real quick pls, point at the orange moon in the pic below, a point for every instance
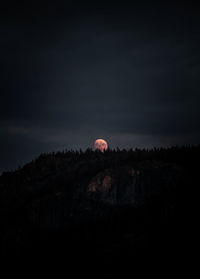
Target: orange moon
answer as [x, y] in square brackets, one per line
[101, 145]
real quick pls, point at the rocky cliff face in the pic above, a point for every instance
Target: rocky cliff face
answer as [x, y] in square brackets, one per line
[121, 186]
[127, 185]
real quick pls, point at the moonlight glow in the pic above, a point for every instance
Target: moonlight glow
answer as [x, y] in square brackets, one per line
[101, 145]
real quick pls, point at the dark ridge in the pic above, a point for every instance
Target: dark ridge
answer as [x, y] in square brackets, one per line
[101, 211]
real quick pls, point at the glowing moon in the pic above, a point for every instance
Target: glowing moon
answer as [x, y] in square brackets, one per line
[101, 145]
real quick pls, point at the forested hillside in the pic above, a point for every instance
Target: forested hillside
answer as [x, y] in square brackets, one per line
[91, 206]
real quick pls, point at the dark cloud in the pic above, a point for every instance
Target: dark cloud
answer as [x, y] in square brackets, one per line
[71, 74]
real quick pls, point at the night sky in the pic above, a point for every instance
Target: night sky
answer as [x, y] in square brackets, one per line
[71, 74]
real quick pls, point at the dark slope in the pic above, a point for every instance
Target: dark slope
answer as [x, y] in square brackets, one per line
[94, 209]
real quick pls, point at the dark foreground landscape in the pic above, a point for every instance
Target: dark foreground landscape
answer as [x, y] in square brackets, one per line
[101, 211]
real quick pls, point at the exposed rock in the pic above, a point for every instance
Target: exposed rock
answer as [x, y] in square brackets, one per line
[127, 185]
[100, 183]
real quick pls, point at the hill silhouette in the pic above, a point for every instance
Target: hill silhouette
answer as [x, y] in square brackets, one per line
[108, 209]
